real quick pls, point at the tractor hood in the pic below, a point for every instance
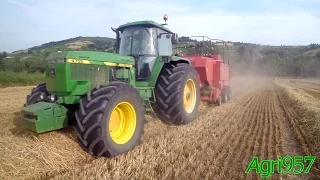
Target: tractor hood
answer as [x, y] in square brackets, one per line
[89, 57]
[72, 74]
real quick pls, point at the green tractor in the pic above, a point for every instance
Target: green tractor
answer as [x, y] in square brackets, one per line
[106, 95]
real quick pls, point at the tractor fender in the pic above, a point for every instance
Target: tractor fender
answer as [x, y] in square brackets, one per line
[159, 65]
[179, 59]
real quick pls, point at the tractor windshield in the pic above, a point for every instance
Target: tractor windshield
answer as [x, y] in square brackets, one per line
[139, 41]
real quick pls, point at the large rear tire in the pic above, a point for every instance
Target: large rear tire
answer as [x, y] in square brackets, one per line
[37, 94]
[177, 94]
[110, 120]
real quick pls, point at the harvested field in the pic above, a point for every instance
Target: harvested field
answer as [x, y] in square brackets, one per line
[266, 118]
[310, 87]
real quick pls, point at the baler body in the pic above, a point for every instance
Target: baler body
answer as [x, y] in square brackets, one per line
[213, 74]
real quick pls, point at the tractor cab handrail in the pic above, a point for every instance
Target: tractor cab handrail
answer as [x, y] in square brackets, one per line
[208, 46]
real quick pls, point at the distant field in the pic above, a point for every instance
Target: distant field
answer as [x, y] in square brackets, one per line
[313, 52]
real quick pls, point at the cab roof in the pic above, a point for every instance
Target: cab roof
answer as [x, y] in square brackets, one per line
[147, 23]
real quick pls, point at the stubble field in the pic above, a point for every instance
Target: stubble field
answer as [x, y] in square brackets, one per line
[266, 118]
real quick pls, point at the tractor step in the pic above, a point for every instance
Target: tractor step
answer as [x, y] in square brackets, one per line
[149, 109]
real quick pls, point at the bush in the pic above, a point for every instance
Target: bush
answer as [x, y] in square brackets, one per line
[10, 78]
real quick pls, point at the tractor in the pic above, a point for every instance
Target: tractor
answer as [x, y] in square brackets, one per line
[105, 96]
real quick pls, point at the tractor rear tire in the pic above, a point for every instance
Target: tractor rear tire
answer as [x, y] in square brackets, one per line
[110, 120]
[37, 94]
[177, 94]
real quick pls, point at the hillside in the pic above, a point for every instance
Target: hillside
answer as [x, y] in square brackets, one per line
[244, 58]
[77, 43]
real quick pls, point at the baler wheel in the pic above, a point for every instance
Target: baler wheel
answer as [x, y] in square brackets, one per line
[37, 94]
[219, 101]
[110, 120]
[177, 94]
[224, 96]
[229, 93]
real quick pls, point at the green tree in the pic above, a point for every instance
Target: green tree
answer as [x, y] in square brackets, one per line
[3, 55]
[244, 54]
[110, 50]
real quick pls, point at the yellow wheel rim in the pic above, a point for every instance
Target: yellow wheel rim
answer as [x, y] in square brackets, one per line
[122, 123]
[189, 96]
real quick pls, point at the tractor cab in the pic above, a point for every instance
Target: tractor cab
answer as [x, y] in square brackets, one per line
[145, 41]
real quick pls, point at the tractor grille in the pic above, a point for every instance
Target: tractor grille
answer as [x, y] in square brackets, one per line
[95, 73]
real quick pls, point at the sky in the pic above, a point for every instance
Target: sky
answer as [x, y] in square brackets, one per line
[28, 23]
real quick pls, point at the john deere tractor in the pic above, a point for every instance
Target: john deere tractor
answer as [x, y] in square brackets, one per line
[106, 95]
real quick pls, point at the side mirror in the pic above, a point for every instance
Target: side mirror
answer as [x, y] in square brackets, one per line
[116, 45]
[174, 38]
[114, 29]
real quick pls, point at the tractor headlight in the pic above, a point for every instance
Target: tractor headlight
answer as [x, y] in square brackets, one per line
[53, 98]
[43, 96]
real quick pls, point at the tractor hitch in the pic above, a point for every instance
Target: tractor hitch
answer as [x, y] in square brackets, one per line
[43, 116]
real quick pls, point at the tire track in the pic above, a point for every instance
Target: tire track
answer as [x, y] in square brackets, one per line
[277, 127]
[228, 118]
[292, 123]
[243, 121]
[241, 141]
[265, 123]
[256, 143]
[218, 126]
[247, 156]
[300, 144]
[272, 142]
[268, 144]
[271, 127]
[263, 147]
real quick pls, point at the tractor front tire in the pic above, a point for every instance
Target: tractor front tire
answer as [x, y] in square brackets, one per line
[37, 94]
[177, 94]
[110, 120]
